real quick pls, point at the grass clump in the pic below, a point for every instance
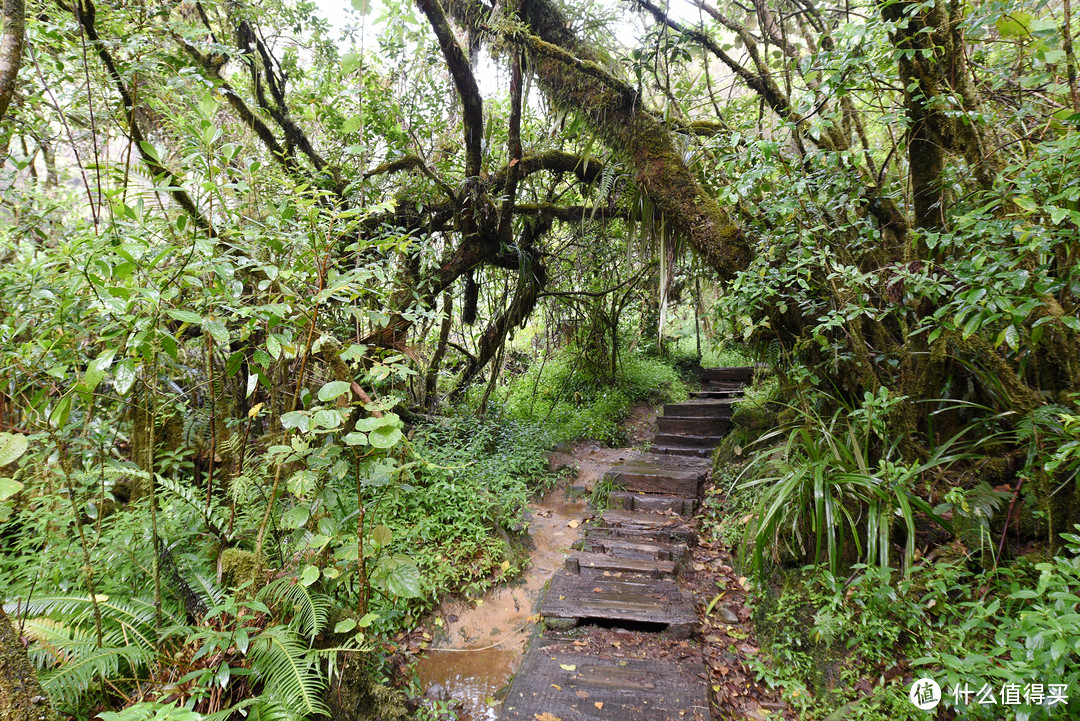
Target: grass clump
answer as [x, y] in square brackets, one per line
[568, 402]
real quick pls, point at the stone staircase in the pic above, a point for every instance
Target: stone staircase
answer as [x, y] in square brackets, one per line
[625, 579]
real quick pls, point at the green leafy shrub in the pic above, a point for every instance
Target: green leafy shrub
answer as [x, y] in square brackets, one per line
[829, 492]
[569, 404]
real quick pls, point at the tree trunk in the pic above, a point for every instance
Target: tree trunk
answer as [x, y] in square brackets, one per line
[21, 696]
[431, 382]
[572, 75]
[11, 48]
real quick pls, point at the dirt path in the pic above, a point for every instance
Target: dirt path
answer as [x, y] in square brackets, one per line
[480, 644]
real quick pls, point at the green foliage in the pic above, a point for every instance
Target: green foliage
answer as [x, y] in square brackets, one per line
[569, 404]
[824, 638]
[839, 482]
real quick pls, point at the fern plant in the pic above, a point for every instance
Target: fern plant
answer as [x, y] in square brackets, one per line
[258, 656]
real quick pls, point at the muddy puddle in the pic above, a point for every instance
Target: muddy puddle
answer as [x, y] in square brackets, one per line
[482, 641]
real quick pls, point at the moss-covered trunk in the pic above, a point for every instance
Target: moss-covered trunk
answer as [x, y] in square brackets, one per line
[572, 75]
[21, 696]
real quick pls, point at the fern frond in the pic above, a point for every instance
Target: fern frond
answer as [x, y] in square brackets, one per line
[68, 683]
[286, 672]
[310, 610]
[124, 622]
[215, 517]
[55, 642]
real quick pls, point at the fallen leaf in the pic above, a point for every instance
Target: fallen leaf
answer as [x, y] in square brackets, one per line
[505, 565]
[567, 666]
[556, 686]
[598, 590]
[599, 704]
[546, 717]
[713, 639]
[617, 644]
[574, 523]
[699, 566]
[724, 670]
[581, 694]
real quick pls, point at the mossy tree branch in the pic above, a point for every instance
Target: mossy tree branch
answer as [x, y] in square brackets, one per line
[85, 14]
[567, 70]
[11, 48]
[457, 62]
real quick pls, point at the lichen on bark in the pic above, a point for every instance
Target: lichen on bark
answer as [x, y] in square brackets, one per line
[21, 695]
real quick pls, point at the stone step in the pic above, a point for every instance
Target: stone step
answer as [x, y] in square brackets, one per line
[720, 408]
[601, 562]
[651, 526]
[742, 374]
[704, 440]
[651, 502]
[695, 426]
[691, 451]
[629, 601]
[558, 680]
[709, 394]
[654, 477]
[682, 464]
[621, 547]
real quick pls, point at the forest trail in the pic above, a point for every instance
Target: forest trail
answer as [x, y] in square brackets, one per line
[617, 617]
[481, 642]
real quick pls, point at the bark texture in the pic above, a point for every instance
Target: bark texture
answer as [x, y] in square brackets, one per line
[573, 76]
[21, 696]
[11, 48]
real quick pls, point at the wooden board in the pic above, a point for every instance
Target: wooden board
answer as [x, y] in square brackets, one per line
[565, 683]
[601, 562]
[630, 600]
[651, 502]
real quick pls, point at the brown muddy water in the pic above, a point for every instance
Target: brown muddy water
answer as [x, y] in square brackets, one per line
[483, 640]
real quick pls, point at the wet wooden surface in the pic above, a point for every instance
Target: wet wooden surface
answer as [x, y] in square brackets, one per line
[562, 681]
[625, 576]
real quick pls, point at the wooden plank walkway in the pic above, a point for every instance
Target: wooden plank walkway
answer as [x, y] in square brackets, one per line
[625, 579]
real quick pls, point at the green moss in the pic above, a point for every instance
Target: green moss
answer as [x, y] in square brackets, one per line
[21, 696]
[359, 697]
[237, 566]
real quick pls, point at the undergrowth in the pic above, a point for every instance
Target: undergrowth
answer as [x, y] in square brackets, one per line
[567, 402]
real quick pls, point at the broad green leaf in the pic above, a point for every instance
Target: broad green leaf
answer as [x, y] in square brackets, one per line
[295, 517]
[8, 488]
[356, 439]
[382, 535]
[217, 329]
[185, 316]
[309, 575]
[328, 418]
[384, 436]
[345, 625]
[12, 446]
[352, 124]
[362, 6]
[404, 580]
[1014, 25]
[124, 376]
[368, 619]
[296, 419]
[302, 482]
[58, 417]
[333, 389]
